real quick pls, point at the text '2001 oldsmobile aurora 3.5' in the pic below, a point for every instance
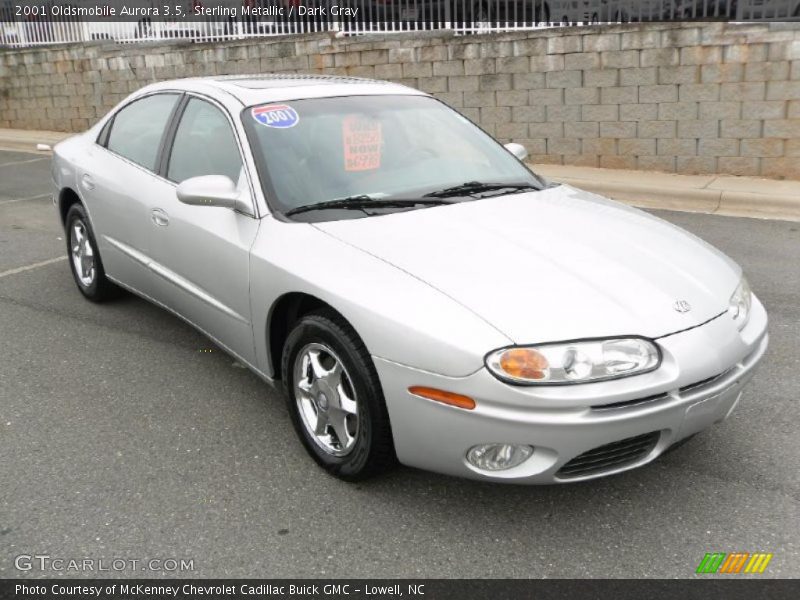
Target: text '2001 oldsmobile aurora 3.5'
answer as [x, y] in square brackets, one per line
[416, 290]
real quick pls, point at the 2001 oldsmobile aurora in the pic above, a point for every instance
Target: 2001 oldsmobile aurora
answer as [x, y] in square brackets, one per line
[418, 292]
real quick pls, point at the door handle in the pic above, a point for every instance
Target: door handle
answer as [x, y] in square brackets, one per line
[159, 217]
[87, 182]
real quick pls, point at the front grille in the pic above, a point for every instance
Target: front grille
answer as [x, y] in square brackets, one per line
[649, 399]
[610, 456]
[704, 382]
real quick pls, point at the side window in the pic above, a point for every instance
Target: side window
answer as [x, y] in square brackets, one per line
[204, 145]
[137, 129]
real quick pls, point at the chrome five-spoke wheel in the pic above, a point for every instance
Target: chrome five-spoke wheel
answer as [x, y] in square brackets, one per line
[82, 253]
[84, 258]
[334, 397]
[326, 399]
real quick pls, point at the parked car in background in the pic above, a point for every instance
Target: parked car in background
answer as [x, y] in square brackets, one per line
[111, 28]
[182, 21]
[576, 11]
[767, 9]
[34, 22]
[623, 11]
[460, 13]
[9, 29]
[700, 10]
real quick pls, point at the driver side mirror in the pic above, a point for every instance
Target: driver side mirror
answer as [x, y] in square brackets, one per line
[517, 150]
[209, 190]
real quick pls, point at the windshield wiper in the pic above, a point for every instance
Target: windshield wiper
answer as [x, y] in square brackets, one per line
[476, 187]
[363, 201]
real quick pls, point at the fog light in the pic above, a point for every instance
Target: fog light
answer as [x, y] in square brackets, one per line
[498, 457]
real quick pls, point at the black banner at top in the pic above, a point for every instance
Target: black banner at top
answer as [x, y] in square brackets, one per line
[508, 13]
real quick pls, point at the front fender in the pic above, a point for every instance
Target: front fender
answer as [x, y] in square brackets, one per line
[399, 317]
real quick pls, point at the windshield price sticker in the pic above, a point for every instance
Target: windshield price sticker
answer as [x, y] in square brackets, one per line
[277, 116]
[362, 140]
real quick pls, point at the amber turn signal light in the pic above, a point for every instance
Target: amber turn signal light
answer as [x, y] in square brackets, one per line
[443, 397]
[524, 363]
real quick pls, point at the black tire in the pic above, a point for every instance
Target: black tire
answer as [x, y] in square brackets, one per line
[373, 450]
[101, 288]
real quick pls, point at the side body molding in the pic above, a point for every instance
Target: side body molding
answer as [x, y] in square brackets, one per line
[175, 279]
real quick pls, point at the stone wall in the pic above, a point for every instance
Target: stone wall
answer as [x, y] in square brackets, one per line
[691, 98]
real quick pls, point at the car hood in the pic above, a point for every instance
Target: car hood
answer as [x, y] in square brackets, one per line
[558, 264]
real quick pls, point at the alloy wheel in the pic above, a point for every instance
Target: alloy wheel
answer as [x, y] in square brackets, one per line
[82, 253]
[326, 399]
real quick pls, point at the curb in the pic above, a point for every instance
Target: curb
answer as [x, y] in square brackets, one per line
[26, 141]
[709, 194]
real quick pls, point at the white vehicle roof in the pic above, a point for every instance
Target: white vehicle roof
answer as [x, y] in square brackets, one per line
[258, 89]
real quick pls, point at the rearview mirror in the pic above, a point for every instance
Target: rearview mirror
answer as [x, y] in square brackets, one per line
[517, 150]
[209, 190]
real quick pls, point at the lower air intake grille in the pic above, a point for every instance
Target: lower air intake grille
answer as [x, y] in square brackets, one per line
[610, 456]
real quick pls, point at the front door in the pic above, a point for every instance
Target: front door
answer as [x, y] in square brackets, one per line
[201, 254]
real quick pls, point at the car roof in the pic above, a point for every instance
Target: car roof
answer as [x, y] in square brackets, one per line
[257, 89]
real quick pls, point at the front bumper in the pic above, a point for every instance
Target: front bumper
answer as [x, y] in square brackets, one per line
[698, 384]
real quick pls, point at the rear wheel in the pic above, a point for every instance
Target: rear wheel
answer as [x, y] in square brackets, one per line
[335, 399]
[84, 258]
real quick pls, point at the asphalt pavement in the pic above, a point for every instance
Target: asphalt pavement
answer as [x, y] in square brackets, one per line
[125, 434]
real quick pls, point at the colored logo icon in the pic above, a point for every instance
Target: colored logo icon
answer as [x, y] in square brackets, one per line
[734, 562]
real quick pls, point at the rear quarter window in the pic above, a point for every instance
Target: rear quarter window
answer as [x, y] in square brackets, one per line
[137, 129]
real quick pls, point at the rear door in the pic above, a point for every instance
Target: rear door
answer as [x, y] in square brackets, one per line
[121, 186]
[201, 254]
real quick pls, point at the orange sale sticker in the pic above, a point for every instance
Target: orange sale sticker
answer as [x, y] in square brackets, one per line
[362, 143]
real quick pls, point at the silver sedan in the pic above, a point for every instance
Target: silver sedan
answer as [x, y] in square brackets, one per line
[419, 294]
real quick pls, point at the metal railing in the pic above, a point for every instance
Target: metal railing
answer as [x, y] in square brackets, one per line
[31, 23]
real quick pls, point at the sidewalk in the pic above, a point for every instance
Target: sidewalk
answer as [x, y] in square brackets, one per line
[715, 194]
[18, 140]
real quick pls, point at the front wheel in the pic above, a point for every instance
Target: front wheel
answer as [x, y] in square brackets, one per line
[334, 398]
[84, 258]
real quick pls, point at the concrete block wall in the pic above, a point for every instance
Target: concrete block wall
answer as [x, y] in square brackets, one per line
[688, 98]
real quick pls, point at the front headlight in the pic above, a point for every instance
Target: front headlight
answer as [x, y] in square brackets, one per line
[740, 303]
[574, 362]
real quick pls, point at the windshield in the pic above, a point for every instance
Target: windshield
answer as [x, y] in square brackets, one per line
[378, 148]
